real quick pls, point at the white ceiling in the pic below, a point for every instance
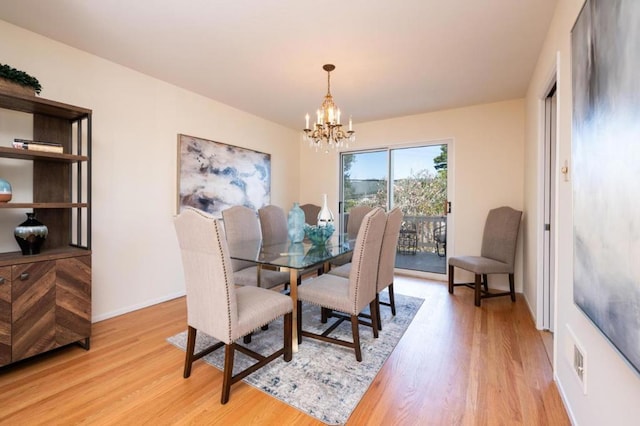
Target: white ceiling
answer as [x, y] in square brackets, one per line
[393, 58]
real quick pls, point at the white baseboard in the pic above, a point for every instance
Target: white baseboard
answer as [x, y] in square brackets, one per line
[565, 400]
[132, 308]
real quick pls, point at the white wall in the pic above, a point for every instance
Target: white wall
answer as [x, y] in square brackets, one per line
[613, 387]
[487, 163]
[136, 120]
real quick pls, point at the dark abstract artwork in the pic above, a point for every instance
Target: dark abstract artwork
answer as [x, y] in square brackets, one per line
[213, 176]
[605, 44]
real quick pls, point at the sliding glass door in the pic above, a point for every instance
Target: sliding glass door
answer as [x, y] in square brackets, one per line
[413, 179]
[364, 181]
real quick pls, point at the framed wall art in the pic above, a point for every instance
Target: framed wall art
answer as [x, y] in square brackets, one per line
[213, 176]
[605, 54]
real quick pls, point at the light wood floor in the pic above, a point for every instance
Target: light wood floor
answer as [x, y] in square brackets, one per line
[456, 364]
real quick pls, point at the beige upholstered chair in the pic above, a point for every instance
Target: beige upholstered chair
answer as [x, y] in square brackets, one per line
[215, 306]
[273, 223]
[497, 256]
[241, 224]
[386, 264]
[350, 295]
[311, 212]
[356, 214]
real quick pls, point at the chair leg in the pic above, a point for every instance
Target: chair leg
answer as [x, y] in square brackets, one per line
[392, 301]
[355, 330]
[288, 338]
[485, 282]
[247, 339]
[375, 322]
[450, 279]
[378, 311]
[477, 287]
[324, 315]
[191, 346]
[229, 350]
[512, 288]
[299, 322]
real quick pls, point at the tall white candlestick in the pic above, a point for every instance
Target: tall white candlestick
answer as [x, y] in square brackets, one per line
[350, 124]
[306, 121]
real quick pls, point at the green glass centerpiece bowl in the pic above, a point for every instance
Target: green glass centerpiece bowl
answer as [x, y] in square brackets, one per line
[318, 235]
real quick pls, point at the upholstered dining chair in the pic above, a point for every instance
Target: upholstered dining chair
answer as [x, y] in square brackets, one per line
[497, 255]
[241, 224]
[311, 212]
[386, 264]
[356, 214]
[351, 295]
[273, 223]
[216, 307]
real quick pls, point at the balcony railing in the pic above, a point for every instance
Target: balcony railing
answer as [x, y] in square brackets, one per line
[424, 227]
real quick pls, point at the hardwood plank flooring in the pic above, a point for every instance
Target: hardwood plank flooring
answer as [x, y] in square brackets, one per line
[455, 365]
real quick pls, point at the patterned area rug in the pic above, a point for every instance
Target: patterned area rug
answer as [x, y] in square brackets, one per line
[322, 380]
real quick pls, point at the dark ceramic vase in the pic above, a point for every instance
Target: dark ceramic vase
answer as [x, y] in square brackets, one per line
[30, 235]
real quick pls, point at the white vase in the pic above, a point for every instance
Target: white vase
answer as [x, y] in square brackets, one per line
[325, 216]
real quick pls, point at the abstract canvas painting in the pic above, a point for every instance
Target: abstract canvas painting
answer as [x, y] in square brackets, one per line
[605, 43]
[213, 176]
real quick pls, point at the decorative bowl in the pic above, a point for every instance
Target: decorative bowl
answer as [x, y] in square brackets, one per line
[5, 191]
[318, 235]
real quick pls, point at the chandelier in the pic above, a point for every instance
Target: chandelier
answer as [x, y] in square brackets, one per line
[327, 131]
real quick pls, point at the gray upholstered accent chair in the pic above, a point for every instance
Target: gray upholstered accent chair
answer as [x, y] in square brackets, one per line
[273, 223]
[241, 224]
[311, 212]
[349, 295]
[216, 307]
[386, 264]
[497, 256]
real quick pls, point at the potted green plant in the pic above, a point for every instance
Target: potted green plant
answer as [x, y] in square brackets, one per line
[18, 81]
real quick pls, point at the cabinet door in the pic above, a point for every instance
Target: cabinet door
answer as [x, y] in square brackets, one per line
[33, 309]
[73, 299]
[5, 315]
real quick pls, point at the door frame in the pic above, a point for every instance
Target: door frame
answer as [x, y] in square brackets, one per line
[542, 317]
[548, 218]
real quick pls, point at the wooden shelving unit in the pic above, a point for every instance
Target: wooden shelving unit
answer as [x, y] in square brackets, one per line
[45, 299]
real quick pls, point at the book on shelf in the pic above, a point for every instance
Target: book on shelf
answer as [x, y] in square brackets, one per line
[38, 146]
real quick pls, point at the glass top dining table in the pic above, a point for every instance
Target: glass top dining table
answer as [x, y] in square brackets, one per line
[294, 257]
[290, 255]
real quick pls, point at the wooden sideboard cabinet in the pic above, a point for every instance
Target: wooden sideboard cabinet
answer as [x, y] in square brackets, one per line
[5, 315]
[45, 299]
